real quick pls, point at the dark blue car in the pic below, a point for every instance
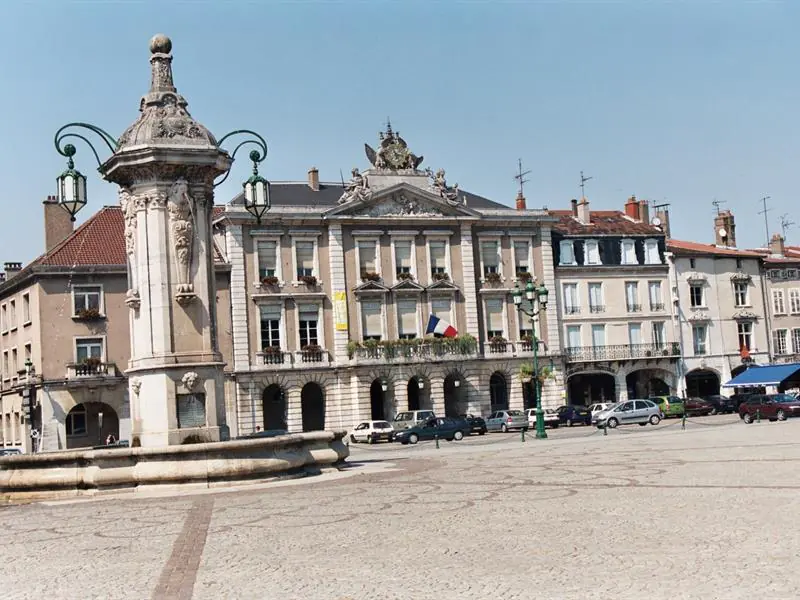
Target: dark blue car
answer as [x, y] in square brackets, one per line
[574, 415]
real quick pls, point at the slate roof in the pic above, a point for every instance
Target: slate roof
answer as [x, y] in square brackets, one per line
[602, 222]
[682, 248]
[791, 255]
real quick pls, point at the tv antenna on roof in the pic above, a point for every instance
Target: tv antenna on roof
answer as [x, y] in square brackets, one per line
[520, 177]
[785, 224]
[764, 212]
[716, 204]
[583, 185]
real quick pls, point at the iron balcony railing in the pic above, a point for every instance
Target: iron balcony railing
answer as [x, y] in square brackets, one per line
[91, 369]
[622, 352]
[285, 359]
[657, 307]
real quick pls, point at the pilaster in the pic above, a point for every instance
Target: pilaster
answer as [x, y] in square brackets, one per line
[338, 293]
[239, 304]
[468, 277]
[553, 337]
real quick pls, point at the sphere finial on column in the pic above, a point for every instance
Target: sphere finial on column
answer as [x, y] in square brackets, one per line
[160, 44]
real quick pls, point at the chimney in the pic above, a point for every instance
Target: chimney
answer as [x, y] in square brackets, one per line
[2, 277]
[520, 201]
[584, 216]
[57, 224]
[663, 216]
[776, 246]
[632, 208]
[12, 268]
[313, 179]
[725, 229]
[644, 211]
[574, 204]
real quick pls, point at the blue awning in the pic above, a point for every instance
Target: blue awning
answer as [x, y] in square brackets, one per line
[766, 375]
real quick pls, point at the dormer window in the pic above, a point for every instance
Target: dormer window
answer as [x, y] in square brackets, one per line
[592, 253]
[629, 252]
[651, 253]
[567, 255]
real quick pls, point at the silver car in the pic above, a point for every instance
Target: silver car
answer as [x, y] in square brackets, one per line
[411, 418]
[627, 413]
[503, 420]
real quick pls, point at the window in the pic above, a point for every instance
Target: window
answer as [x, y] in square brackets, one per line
[522, 258]
[696, 295]
[778, 305]
[407, 319]
[634, 334]
[4, 318]
[571, 299]
[371, 320]
[791, 273]
[191, 410]
[76, 421]
[6, 366]
[304, 251]
[779, 341]
[596, 304]
[794, 301]
[567, 255]
[692, 263]
[745, 330]
[592, 253]
[12, 315]
[573, 336]
[598, 335]
[494, 318]
[402, 257]
[367, 257]
[441, 309]
[270, 325]
[490, 257]
[796, 341]
[651, 254]
[629, 252]
[658, 334]
[267, 258]
[654, 293]
[87, 348]
[740, 293]
[308, 318]
[86, 297]
[438, 252]
[699, 336]
[26, 308]
[14, 363]
[632, 296]
[28, 352]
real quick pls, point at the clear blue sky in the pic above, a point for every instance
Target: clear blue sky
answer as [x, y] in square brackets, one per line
[681, 102]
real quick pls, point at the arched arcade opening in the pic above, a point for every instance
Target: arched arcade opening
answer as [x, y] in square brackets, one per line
[312, 406]
[702, 382]
[273, 403]
[90, 423]
[589, 388]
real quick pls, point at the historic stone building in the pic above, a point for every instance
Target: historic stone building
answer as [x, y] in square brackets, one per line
[613, 309]
[782, 279]
[719, 292]
[332, 292]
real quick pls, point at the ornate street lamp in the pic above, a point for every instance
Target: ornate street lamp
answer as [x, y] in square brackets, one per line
[536, 297]
[71, 186]
[256, 191]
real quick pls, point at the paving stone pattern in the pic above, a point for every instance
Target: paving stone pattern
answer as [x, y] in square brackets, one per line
[643, 513]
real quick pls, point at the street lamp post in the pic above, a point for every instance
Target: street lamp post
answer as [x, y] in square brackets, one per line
[536, 296]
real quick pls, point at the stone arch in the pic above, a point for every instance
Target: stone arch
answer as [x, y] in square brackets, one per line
[644, 382]
[90, 423]
[274, 407]
[378, 390]
[312, 405]
[418, 392]
[498, 391]
[703, 382]
[591, 386]
[454, 394]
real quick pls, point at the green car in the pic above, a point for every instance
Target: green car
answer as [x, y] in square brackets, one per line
[444, 429]
[671, 406]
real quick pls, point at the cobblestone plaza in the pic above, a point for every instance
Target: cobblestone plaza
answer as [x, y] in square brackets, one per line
[662, 512]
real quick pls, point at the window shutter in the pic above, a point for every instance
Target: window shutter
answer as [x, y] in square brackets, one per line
[266, 258]
[402, 255]
[489, 254]
[407, 317]
[305, 255]
[494, 315]
[371, 318]
[438, 256]
[441, 309]
[367, 256]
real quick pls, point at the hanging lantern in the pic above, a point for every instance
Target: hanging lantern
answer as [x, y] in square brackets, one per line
[71, 186]
[256, 191]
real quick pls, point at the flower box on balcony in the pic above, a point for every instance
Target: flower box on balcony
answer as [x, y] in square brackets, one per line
[493, 277]
[524, 276]
[440, 277]
[370, 276]
[273, 355]
[270, 280]
[309, 280]
[311, 353]
[498, 344]
[92, 362]
[405, 277]
[88, 314]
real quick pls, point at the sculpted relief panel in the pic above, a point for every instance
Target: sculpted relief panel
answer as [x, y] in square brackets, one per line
[181, 216]
[402, 205]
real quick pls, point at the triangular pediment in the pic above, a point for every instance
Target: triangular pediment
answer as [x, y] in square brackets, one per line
[407, 285]
[443, 285]
[371, 287]
[401, 200]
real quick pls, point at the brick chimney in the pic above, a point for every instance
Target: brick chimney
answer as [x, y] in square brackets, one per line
[632, 208]
[57, 224]
[313, 179]
[725, 229]
[521, 201]
[12, 268]
[584, 216]
[663, 215]
[574, 205]
[776, 246]
[644, 211]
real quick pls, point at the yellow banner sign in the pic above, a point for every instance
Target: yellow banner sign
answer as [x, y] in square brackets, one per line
[340, 310]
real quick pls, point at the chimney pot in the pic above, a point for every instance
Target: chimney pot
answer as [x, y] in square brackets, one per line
[584, 215]
[313, 179]
[574, 204]
[632, 209]
[777, 246]
[520, 201]
[644, 211]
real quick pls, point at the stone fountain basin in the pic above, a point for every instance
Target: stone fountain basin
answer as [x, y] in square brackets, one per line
[90, 472]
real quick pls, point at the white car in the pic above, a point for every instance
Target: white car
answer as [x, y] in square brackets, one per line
[372, 431]
[550, 418]
[596, 409]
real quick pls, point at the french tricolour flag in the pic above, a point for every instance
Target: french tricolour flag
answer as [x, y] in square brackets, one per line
[437, 326]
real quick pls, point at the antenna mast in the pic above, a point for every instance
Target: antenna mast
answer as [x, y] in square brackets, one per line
[766, 219]
[583, 185]
[520, 177]
[785, 224]
[717, 203]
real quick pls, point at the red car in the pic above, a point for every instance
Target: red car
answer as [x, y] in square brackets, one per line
[775, 407]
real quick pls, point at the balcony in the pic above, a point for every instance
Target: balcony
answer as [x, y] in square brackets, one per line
[88, 370]
[622, 352]
[657, 307]
[634, 308]
[274, 358]
[597, 308]
[411, 351]
[572, 310]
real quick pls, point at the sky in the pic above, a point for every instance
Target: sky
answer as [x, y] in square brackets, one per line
[675, 102]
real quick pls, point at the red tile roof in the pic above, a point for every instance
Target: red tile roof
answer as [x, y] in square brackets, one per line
[98, 241]
[602, 222]
[682, 248]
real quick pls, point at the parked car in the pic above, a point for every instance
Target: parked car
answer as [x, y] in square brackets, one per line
[550, 418]
[411, 418]
[597, 408]
[628, 413]
[504, 420]
[775, 407]
[372, 431]
[445, 428]
[10, 451]
[671, 406]
[572, 414]
[738, 399]
[697, 407]
[721, 404]
[476, 424]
